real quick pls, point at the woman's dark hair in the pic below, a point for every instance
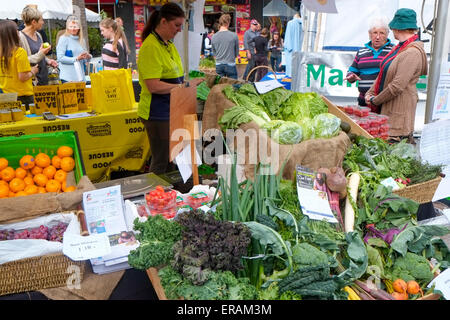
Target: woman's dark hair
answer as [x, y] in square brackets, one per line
[276, 42]
[170, 11]
[9, 41]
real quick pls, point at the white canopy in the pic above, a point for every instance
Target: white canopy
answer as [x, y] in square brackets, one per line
[51, 9]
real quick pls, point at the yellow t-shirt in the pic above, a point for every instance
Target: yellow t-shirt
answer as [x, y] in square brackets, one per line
[9, 80]
[157, 61]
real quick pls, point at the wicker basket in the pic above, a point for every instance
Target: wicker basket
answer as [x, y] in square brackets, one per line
[30, 274]
[421, 192]
[261, 67]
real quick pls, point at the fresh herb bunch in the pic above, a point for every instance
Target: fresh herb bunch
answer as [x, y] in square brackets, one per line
[156, 236]
[209, 244]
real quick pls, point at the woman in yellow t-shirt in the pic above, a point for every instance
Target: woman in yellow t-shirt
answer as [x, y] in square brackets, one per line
[160, 70]
[15, 70]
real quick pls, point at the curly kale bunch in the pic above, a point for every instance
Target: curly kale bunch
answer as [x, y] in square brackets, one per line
[209, 244]
[156, 236]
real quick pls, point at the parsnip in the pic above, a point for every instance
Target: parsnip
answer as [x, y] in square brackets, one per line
[349, 214]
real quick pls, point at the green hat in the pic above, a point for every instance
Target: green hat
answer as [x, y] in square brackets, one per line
[404, 19]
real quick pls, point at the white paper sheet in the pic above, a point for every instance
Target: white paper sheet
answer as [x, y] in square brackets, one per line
[435, 142]
[183, 161]
[266, 86]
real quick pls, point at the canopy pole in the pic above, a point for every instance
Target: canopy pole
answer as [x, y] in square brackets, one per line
[98, 5]
[436, 57]
[186, 40]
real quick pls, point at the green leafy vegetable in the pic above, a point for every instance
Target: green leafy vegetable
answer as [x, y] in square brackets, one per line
[156, 236]
[326, 125]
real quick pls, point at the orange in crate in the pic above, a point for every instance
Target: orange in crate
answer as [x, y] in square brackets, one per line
[16, 185]
[42, 160]
[67, 164]
[21, 173]
[3, 163]
[49, 171]
[40, 179]
[60, 176]
[70, 189]
[28, 181]
[21, 193]
[36, 170]
[8, 174]
[27, 162]
[64, 151]
[56, 162]
[53, 186]
[31, 189]
[4, 191]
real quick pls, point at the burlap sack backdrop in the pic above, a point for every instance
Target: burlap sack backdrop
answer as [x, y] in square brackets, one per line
[314, 153]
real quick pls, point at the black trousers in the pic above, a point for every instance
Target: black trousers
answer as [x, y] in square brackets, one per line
[158, 136]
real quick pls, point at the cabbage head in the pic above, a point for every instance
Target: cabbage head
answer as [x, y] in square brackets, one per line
[288, 133]
[326, 125]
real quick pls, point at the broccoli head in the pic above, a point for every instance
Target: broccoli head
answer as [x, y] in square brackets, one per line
[412, 267]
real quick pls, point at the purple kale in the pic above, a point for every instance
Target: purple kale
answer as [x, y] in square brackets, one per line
[386, 235]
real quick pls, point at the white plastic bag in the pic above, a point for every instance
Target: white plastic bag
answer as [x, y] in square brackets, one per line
[11, 250]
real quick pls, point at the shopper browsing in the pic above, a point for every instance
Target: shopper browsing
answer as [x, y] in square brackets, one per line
[366, 65]
[395, 89]
[225, 48]
[250, 47]
[261, 52]
[15, 70]
[115, 51]
[160, 70]
[71, 51]
[31, 40]
[276, 48]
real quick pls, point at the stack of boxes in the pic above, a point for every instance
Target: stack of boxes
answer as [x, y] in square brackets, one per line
[375, 124]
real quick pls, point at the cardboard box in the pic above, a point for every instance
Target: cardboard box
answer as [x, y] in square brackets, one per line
[46, 99]
[68, 99]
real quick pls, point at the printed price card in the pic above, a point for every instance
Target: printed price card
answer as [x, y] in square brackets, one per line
[79, 248]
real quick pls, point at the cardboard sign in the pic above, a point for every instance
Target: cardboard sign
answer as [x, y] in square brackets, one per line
[46, 99]
[68, 98]
[81, 95]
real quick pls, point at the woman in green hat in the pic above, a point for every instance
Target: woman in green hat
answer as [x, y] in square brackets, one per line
[395, 89]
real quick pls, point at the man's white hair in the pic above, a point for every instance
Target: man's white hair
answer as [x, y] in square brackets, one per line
[379, 22]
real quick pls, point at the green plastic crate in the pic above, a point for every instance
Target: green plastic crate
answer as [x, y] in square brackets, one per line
[14, 148]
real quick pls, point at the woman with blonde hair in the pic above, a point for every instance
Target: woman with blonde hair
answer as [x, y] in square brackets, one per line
[15, 70]
[71, 53]
[31, 40]
[115, 51]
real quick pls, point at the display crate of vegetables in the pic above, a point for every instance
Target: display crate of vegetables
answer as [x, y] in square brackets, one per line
[257, 244]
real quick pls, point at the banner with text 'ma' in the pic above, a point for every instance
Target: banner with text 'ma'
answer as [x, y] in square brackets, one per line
[323, 72]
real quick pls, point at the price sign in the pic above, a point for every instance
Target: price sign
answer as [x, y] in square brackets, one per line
[79, 248]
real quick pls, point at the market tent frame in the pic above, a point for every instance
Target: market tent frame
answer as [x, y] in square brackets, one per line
[278, 8]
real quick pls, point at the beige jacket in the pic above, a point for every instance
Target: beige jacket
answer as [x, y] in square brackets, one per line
[399, 95]
[33, 58]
